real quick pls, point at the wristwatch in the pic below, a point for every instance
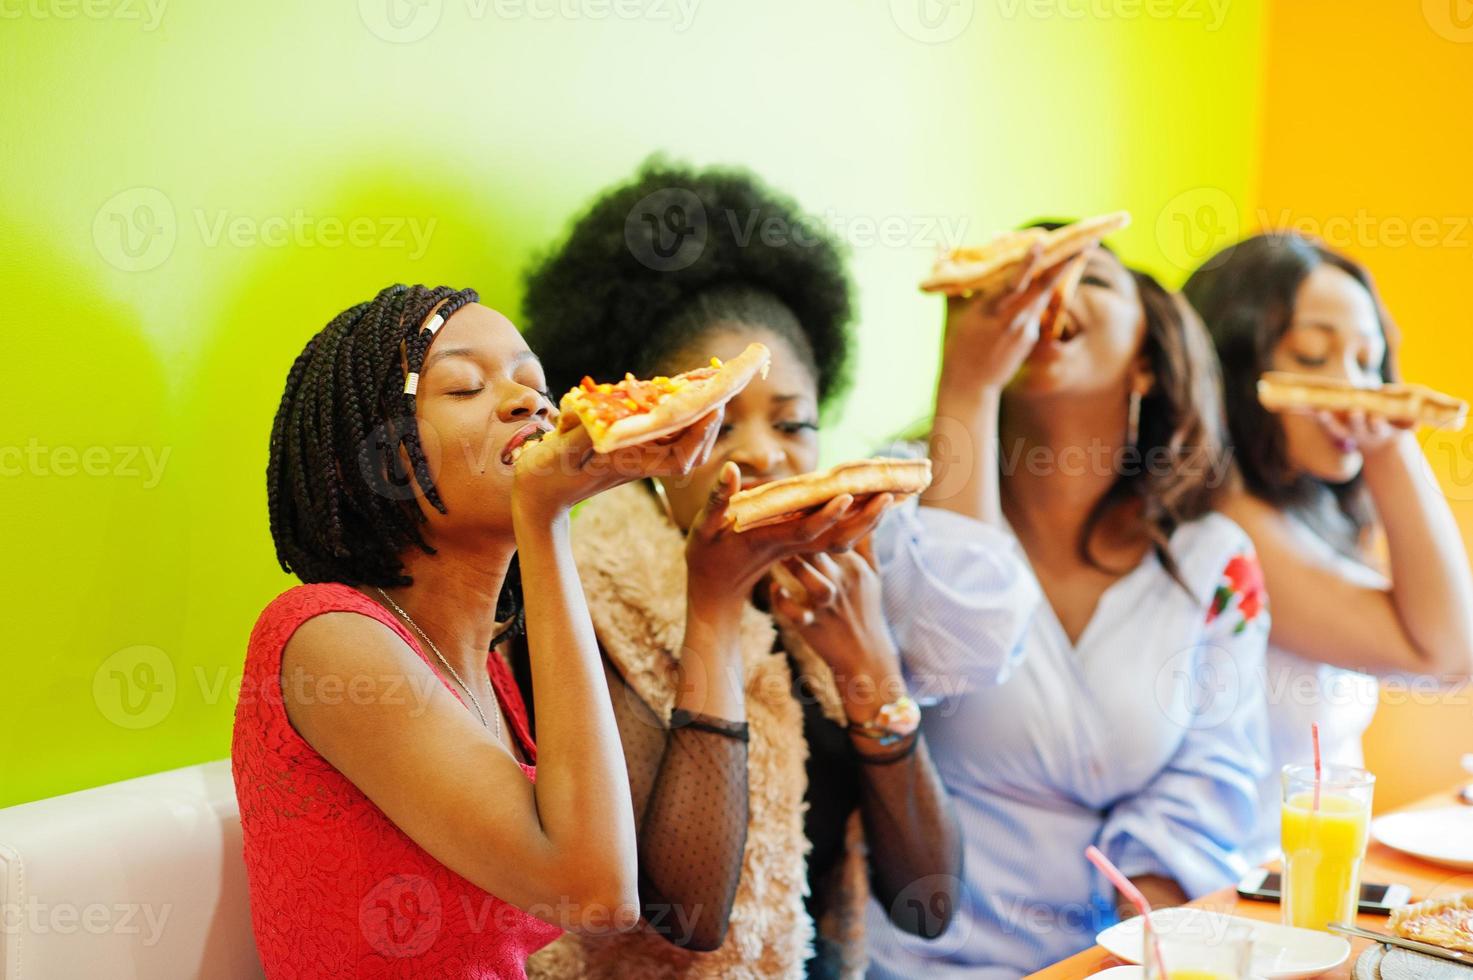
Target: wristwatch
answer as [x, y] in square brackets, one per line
[894, 722]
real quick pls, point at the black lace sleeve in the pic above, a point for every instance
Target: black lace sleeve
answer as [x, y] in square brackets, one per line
[914, 845]
[689, 784]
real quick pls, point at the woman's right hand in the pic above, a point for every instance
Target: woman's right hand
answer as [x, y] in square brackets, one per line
[721, 561]
[988, 335]
[561, 469]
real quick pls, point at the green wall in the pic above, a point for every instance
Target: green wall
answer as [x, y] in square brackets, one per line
[189, 190]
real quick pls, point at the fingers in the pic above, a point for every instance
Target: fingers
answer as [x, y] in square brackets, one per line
[814, 525]
[675, 455]
[789, 583]
[1334, 425]
[865, 548]
[797, 535]
[1030, 269]
[713, 515]
[554, 451]
[694, 446]
[1046, 284]
[1022, 311]
[785, 606]
[859, 523]
[818, 575]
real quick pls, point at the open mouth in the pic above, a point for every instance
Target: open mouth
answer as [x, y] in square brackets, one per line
[520, 440]
[1068, 329]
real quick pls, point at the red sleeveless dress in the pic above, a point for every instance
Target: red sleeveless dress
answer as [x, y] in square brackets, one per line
[337, 889]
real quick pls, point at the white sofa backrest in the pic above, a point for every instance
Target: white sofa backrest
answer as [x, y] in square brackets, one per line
[140, 879]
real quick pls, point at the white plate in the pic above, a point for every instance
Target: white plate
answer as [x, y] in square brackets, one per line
[1443, 835]
[1121, 973]
[1279, 952]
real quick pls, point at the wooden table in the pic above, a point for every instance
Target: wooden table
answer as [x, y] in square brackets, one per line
[1382, 865]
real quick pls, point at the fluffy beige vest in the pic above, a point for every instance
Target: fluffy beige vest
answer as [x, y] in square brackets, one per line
[632, 563]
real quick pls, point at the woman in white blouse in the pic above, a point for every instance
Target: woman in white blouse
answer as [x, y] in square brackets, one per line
[1316, 487]
[1130, 718]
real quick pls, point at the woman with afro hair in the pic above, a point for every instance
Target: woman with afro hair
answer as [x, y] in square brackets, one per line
[744, 705]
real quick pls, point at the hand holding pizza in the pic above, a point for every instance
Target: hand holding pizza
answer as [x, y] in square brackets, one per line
[1365, 431]
[988, 335]
[998, 293]
[563, 468]
[723, 561]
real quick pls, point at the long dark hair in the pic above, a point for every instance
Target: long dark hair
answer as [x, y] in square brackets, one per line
[1180, 436]
[337, 490]
[1246, 295]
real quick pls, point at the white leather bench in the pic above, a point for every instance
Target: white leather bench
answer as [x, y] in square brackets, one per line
[140, 879]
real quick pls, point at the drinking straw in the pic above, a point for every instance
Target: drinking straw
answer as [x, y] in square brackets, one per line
[1133, 894]
[1314, 733]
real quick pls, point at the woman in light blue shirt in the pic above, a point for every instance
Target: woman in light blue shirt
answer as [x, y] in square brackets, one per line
[1129, 717]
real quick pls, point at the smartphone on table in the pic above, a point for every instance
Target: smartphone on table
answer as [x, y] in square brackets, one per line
[1263, 885]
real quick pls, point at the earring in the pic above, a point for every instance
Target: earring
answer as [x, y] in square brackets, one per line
[659, 489]
[1133, 425]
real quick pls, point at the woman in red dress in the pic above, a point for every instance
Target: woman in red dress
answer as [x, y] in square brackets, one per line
[398, 819]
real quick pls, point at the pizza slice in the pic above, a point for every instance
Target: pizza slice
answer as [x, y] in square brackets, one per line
[983, 268]
[993, 267]
[792, 498]
[633, 411]
[1281, 391]
[1445, 922]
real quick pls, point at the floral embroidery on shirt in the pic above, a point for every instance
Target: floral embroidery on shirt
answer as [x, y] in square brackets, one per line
[1242, 578]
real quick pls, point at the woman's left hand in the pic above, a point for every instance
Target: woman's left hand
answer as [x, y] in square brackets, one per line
[1369, 433]
[832, 600]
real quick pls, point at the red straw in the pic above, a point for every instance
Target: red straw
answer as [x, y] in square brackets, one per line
[1314, 732]
[1132, 894]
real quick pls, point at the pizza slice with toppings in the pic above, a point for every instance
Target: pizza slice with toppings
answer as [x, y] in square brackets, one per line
[633, 410]
[1445, 922]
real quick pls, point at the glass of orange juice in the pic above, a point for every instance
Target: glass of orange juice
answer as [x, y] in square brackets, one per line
[1226, 956]
[1323, 847]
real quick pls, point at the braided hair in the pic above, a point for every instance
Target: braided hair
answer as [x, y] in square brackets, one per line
[340, 496]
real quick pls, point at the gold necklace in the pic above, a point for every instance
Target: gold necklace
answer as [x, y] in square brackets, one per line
[441, 657]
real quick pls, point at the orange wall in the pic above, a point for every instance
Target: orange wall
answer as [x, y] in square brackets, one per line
[1367, 142]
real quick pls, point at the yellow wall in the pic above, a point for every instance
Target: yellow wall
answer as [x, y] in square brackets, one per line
[1367, 143]
[177, 194]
